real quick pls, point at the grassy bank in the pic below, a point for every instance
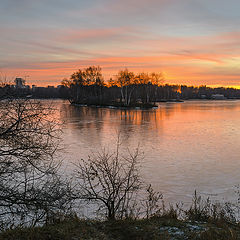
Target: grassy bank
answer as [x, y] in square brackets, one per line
[155, 228]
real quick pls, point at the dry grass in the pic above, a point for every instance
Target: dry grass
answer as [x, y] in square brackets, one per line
[155, 228]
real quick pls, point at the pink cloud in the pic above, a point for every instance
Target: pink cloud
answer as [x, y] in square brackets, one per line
[93, 34]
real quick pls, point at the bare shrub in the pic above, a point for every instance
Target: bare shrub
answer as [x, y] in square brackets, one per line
[110, 180]
[30, 187]
[151, 204]
[206, 210]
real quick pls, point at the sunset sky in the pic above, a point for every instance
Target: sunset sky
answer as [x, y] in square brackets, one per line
[192, 42]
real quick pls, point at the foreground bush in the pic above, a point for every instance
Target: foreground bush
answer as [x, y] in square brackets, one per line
[111, 181]
[30, 187]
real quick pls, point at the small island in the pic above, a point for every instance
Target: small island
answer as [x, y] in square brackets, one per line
[127, 90]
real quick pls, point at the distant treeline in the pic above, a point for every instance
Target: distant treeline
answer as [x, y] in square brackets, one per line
[9, 90]
[87, 86]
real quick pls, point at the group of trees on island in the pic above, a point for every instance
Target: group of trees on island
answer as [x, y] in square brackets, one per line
[87, 86]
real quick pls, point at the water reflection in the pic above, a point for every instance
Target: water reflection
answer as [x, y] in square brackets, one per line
[187, 146]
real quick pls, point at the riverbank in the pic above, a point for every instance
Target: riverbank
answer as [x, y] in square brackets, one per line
[164, 228]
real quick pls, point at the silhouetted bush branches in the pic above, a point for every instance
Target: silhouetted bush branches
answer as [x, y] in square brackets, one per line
[30, 185]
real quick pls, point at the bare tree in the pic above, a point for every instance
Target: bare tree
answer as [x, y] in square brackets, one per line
[126, 82]
[110, 180]
[30, 187]
[85, 84]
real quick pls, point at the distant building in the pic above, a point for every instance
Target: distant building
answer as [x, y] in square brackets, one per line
[218, 97]
[19, 83]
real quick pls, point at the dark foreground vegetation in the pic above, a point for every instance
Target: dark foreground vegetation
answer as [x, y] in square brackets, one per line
[164, 227]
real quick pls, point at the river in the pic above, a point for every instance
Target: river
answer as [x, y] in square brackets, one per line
[194, 145]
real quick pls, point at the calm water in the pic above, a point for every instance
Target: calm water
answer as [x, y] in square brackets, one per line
[187, 146]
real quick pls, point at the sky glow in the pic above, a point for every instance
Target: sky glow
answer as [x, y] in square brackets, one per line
[192, 42]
